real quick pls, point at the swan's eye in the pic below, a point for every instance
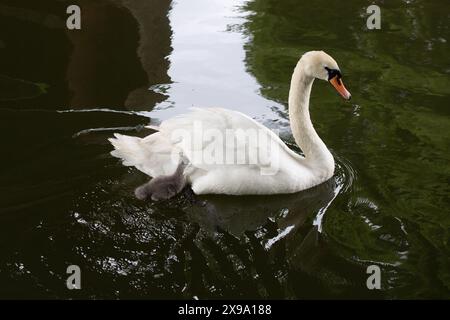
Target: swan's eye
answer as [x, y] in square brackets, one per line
[333, 73]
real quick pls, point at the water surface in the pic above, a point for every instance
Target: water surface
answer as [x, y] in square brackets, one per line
[66, 201]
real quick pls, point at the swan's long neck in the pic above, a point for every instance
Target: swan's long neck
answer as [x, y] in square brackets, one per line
[316, 153]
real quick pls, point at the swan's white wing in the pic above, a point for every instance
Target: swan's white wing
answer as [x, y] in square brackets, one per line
[211, 137]
[230, 153]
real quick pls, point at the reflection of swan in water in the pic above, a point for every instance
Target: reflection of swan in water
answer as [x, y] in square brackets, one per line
[286, 220]
[291, 222]
[237, 214]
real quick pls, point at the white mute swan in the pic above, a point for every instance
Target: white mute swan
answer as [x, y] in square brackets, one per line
[220, 151]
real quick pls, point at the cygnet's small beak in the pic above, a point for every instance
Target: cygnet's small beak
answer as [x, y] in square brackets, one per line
[337, 83]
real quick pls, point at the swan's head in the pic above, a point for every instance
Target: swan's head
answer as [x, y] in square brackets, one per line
[322, 66]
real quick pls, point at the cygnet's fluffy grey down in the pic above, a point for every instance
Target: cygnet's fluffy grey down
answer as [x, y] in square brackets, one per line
[163, 187]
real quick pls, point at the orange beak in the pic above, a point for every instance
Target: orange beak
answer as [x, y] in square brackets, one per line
[339, 86]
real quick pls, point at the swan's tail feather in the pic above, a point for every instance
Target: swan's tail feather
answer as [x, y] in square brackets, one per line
[128, 149]
[152, 155]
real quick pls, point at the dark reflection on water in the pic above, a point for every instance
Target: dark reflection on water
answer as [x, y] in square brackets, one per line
[65, 200]
[120, 51]
[206, 246]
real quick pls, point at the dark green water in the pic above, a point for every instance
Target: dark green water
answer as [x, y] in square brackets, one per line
[66, 201]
